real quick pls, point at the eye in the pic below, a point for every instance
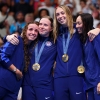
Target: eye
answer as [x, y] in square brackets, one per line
[40, 23]
[57, 14]
[45, 25]
[62, 13]
[36, 30]
[30, 29]
[79, 23]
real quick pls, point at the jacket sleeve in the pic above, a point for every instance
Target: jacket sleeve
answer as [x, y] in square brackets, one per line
[5, 54]
[96, 43]
[4, 39]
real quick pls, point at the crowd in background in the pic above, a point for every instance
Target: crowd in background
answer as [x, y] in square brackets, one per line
[14, 14]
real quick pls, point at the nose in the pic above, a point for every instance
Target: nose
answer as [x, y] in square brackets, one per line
[77, 25]
[41, 26]
[60, 15]
[33, 32]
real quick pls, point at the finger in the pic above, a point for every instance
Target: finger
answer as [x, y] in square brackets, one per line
[98, 90]
[14, 41]
[88, 33]
[91, 37]
[15, 35]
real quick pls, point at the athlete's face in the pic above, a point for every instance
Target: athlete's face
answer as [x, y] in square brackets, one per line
[45, 27]
[32, 32]
[79, 24]
[61, 16]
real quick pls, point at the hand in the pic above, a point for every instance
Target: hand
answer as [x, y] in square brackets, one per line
[98, 88]
[93, 33]
[19, 74]
[13, 39]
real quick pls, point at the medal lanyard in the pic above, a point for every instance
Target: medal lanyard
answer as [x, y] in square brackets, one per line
[82, 62]
[38, 55]
[65, 43]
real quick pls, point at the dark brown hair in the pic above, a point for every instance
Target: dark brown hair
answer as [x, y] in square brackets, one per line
[26, 46]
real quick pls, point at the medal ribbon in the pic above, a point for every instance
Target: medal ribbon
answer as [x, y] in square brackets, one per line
[38, 55]
[65, 43]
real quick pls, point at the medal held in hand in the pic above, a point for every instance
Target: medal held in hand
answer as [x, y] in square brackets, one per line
[81, 69]
[65, 58]
[36, 67]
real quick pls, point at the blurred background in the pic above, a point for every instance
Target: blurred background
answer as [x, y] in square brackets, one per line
[15, 14]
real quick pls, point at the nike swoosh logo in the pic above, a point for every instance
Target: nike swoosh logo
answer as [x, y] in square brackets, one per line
[78, 92]
[47, 97]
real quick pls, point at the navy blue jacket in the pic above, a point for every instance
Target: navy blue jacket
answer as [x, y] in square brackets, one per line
[75, 53]
[92, 62]
[11, 54]
[44, 77]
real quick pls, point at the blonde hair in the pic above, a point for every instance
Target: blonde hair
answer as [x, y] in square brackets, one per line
[69, 21]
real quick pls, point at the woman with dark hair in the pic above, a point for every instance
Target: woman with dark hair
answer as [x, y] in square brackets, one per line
[42, 12]
[38, 81]
[91, 59]
[14, 59]
[69, 70]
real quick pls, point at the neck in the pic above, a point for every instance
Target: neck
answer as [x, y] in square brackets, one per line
[45, 35]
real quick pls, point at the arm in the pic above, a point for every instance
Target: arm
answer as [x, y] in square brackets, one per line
[5, 53]
[12, 39]
[93, 33]
[96, 44]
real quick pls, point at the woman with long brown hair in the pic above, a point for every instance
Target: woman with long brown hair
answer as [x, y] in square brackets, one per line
[14, 61]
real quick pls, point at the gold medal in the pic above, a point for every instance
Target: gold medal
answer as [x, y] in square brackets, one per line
[80, 69]
[65, 58]
[36, 67]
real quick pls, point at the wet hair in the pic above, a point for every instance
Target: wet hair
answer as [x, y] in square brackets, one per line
[87, 21]
[27, 55]
[69, 23]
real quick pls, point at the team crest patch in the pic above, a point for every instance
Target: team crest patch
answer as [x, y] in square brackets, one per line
[48, 43]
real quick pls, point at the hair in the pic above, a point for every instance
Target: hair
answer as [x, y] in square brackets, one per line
[3, 5]
[83, 1]
[40, 11]
[51, 20]
[69, 23]
[1, 43]
[26, 46]
[87, 21]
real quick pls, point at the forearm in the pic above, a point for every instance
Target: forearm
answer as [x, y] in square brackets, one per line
[12, 68]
